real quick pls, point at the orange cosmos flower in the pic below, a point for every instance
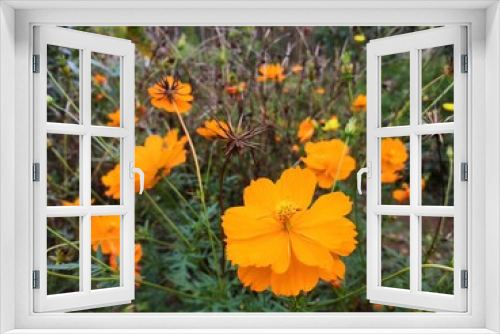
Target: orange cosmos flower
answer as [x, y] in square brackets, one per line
[393, 159]
[271, 72]
[114, 118]
[329, 160]
[174, 152]
[106, 234]
[75, 203]
[320, 90]
[403, 194]
[297, 68]
[280, 241]
[99, 79]
[295, 148]
[359, 103]
[236, 89]
[214, 129]
[306, 129]
[157, 156]
[171, 95]
[137, 257]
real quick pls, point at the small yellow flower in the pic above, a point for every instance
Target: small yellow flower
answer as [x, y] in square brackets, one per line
[449, 106]
[359, 38]
[332, 124]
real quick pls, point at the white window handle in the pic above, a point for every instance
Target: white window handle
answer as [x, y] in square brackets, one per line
[134, 170]
[368, 171]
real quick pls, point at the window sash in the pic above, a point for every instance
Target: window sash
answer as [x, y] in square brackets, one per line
[413, 43]
[86, 43]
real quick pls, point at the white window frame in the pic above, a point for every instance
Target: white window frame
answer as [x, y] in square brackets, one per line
[86, 43]
[413, 44]
[484, 103]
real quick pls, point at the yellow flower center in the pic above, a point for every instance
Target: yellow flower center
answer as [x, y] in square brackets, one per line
[284, 211]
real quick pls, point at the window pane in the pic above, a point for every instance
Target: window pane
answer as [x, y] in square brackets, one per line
[437, 170]
[105, 89]
[395, 251]
[395, 170]
[106, 177]
[63, 84]
[395, 91]
[437, 249]
[63, 255]
[437, 84]
[63, 170]
[105, 239]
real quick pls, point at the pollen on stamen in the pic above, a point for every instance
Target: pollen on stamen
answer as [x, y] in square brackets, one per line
[284, 211]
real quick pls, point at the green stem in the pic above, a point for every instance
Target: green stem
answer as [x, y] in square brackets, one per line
[435, 239]
[440, 96]
[75, 174]
[168, 220]
[202, 191]
[182, 198]
[385, 279]
[72, 244]
[145, 283]
[63, 92]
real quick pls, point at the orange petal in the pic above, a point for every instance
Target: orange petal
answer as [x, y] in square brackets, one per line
[184, 88]
[262, 195]
[327, 208]
[258, 279]
[182, 106]
[297, 185]
[336, 235]
[310, 252]
[265, 250]
[163, 103]
[243, 222]
[337, 271]
[298, 277]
